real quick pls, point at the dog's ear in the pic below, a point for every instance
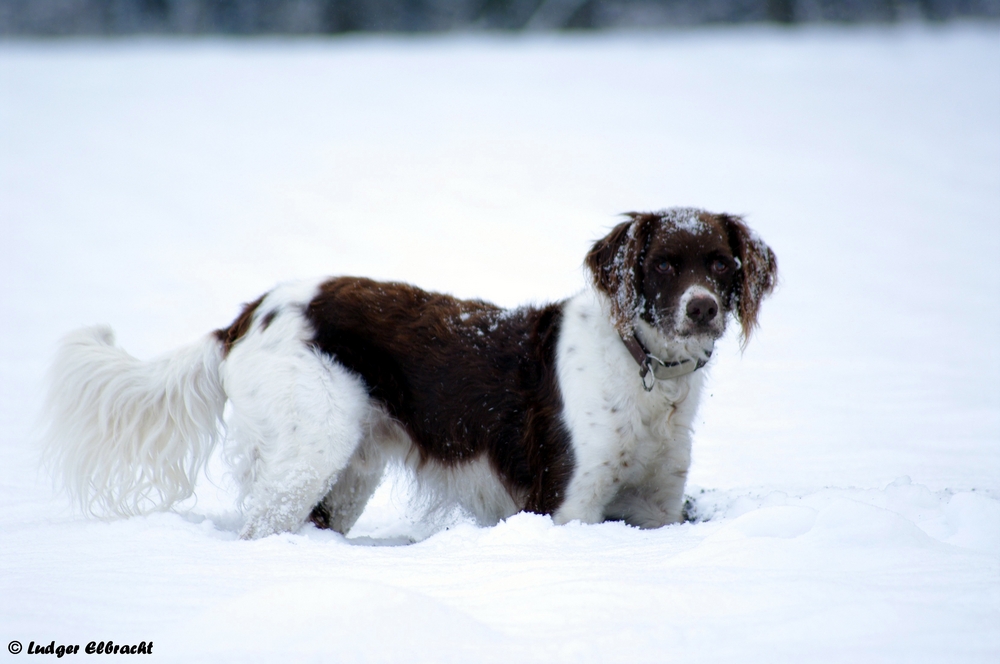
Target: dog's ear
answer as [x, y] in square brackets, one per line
[614, 263]
[757, 276]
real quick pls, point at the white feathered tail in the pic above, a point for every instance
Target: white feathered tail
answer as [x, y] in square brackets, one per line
[128, 437]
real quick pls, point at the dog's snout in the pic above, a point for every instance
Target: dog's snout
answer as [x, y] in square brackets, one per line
[702, 309]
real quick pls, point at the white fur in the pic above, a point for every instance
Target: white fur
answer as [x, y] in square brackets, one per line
[632, 448]
[126, 436]
[297, 417]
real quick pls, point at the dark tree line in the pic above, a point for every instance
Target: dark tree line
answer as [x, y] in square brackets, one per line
[110, 17]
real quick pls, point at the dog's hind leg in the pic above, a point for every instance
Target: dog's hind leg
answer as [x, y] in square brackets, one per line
[297, 419]
[342, 506]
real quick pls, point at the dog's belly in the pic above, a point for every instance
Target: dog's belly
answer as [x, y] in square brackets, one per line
[473, 485]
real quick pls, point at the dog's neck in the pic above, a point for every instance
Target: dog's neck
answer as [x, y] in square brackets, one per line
[652, 368]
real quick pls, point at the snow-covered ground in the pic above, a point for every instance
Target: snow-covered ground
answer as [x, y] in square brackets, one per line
[846, 466]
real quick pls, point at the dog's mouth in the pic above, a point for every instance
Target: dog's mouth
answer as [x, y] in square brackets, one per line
[673, 348]
[697, 347]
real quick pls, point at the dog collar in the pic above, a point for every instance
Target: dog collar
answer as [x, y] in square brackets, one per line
[652, 366]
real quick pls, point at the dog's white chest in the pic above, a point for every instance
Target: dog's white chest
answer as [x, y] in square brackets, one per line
[647, 438]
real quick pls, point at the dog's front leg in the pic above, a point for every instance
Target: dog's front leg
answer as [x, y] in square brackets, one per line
[651, 505]
[595, 483]
[610, 483]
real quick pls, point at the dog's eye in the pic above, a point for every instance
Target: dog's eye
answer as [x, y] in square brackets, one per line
[665, 267]
[719, 266]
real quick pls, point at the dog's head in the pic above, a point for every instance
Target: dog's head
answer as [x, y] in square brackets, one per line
[674, 276]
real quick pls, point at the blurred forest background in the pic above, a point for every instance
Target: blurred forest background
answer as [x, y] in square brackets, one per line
[125, 17]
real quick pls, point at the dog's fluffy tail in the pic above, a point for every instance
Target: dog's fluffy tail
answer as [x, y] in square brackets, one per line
[129, 437]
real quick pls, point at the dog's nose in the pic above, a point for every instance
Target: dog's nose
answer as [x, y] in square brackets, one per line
[702, 309]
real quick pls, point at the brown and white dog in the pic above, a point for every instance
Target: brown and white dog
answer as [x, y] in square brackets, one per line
[580, 409]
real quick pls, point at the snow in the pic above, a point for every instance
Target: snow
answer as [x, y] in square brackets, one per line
[846, 478]
[686, 219]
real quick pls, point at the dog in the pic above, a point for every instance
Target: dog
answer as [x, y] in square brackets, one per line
[581, 409]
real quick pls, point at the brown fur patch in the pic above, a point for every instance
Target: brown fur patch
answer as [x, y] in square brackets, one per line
[463, 377]
[228, 336]
[757, 276]
[614, 261]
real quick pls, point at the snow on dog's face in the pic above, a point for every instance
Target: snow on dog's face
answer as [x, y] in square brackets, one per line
[674, 276]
